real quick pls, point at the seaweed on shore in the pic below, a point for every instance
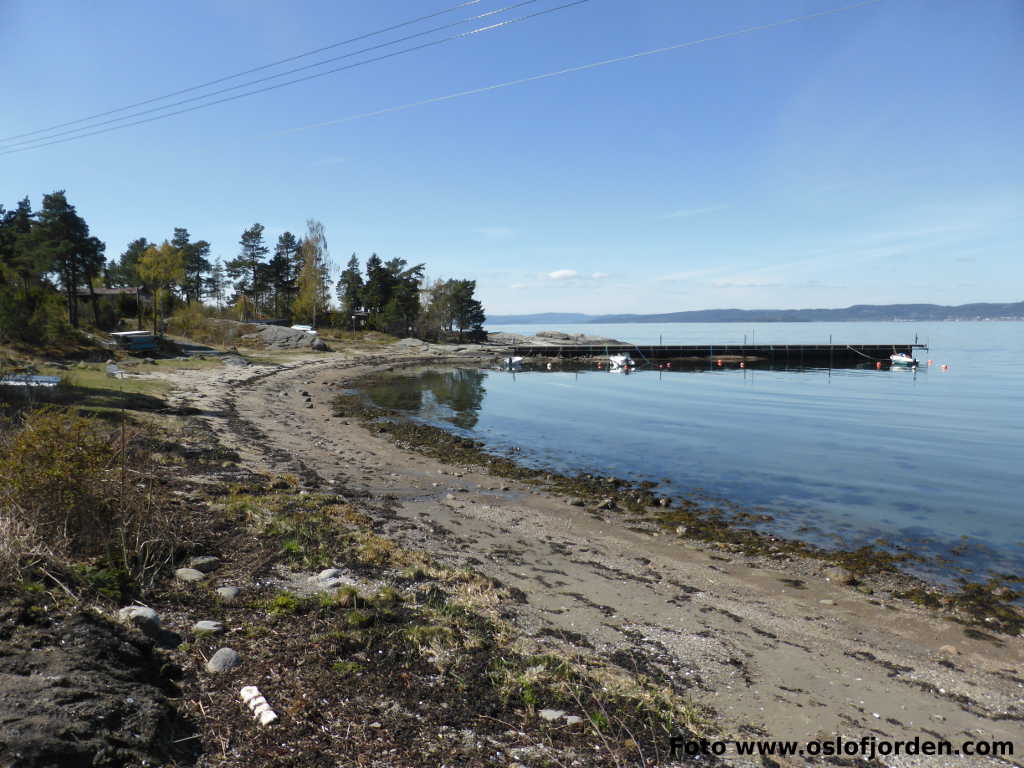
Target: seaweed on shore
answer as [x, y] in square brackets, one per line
[992, 604]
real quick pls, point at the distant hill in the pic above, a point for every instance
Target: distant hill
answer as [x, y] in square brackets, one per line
[872, 312]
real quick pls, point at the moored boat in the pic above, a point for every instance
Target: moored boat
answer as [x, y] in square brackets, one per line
[620, 362]
[901, 358]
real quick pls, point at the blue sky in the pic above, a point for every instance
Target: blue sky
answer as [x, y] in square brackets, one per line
[870, 156]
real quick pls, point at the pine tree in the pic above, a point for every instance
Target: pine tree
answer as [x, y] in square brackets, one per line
[216, 284]
[18, 259]
[196, 263]
[375, 291]
[60, 241]
[282, 272]
[125, 271]
[467, 312]
[244, 268]
[350, 288]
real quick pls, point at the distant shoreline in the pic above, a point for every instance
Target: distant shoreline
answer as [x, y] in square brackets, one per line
[891, 313]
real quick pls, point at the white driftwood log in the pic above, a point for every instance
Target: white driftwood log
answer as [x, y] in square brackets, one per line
[260, 709]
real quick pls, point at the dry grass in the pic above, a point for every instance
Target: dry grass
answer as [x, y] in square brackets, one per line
[87, 491]
[18, 543]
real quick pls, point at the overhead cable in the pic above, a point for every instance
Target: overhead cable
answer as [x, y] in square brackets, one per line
[45, 140]
[580, 68]
[247, 71]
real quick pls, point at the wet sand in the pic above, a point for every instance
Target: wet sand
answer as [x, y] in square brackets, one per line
[776, 649]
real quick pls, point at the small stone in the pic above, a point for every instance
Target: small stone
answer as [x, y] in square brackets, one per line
[573, 719]
[223, 660]
[607, 504]
[207, 628]
[376, 724]
[680, 530]
[189, 575]
[228, 594]
[551, 714]
[142, 617]
[664, 501]
[576, 502]
[450, 497]
[327, 574]
[319, 345]
[837, 575]
[204, 563]
[949, 650]
[865, 589]
[827, 602]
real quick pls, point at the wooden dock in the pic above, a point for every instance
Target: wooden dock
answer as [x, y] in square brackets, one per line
[789, 354]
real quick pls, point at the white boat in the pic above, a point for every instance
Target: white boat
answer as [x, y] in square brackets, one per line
[513, 362]
[901, 358]
[620, 361]
[305, 328]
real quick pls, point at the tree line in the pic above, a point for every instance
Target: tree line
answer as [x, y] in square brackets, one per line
[50, 263]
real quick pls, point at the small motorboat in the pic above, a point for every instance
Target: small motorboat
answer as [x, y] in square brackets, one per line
[901, 358]
[620, 362]
[513, 362]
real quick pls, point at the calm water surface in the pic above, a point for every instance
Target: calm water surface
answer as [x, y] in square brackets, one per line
[931, 460]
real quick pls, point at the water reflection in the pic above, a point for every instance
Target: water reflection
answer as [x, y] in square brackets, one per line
[859, 452]
[454, 396]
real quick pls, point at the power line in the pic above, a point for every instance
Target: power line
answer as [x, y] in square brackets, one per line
[581, 68]
[247, 71]
[463, 35]
[268, 78]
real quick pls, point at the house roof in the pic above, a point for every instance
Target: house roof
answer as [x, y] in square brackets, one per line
[111, 291]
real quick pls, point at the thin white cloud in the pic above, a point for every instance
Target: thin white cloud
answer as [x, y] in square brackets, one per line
[563, 274]
[745, 284]
[518, 286]
[677, 277]
[599, 275]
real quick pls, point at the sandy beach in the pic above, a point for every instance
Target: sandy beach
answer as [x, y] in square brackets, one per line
[775, 648]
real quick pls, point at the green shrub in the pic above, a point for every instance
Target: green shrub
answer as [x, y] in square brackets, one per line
[64, 479]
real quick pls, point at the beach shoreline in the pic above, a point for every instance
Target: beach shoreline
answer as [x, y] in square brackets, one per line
[774, 647]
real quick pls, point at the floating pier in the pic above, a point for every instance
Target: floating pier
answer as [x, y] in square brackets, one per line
[788, 354]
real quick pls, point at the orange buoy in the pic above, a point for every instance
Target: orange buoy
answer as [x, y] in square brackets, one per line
[878, 364]
[929, 362]
[719, 363]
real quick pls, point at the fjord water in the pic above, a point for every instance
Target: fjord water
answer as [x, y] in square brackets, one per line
[930, 461]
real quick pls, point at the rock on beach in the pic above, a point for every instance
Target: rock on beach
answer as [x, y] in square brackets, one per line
[223, 660]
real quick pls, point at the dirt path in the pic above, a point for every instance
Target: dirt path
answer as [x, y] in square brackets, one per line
[780, 654]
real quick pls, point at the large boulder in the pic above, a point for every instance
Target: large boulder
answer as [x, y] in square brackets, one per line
[279, 337]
